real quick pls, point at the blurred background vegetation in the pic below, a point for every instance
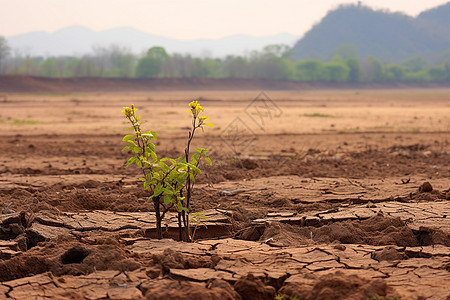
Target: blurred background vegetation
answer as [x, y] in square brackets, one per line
[352, 43]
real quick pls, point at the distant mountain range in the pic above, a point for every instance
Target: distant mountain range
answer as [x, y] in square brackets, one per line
[78, 40]
[392, 37]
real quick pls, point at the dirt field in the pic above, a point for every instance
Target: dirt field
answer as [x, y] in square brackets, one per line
[313, 194]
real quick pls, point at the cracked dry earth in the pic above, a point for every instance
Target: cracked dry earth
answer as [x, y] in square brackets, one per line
[359, 222]
[304, 237]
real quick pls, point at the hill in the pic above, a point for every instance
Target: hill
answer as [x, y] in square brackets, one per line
[392, 37]
[78, 40]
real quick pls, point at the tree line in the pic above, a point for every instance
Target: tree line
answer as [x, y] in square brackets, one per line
[272, 62]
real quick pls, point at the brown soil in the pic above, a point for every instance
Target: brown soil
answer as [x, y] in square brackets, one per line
[314, 214]
[31, 84]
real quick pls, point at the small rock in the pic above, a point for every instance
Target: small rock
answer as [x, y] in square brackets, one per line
[153, 272]
[388, 253]
[425, 187]
[340, 247]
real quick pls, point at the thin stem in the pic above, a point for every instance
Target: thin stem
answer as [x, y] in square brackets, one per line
[180, 227]
[188, 179]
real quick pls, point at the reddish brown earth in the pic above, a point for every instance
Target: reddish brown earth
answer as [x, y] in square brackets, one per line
[32, 84]
[311, 214]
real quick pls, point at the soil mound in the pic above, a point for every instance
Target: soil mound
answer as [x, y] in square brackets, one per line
[185, 290]
[337, 286]
[378, 230]
[64, 256]
[33, 84]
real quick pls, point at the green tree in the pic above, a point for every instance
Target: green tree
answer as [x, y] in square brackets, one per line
[419, 76]
[235, 67]
[272, 63]
[415, 64]
[28, 66]
[373, 70]
[437, 73]
[4, 53]
[336, 72]
[49, 68]
[81, 67]
[277, 50]
[150, 65]
[395, 72]
[213, 67]
[119, 62]
[447, 69]
[309, 70]
[355, 71]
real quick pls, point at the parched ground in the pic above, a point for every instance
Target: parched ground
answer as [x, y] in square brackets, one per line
[312, 194]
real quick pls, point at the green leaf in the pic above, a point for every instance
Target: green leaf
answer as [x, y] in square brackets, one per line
[208, 124]
[158, 190]
[131, 160]
[179, 207]
[208, 160]
[154, 156]
[136, 149]
[150, 134]
[167, 199]
[167, 191]
[152, 182]
[146, 185]
[138, 163]
[138, 117]
[151, 146]
[127, 137]
[127, 148]
[163, 166]
[194, 168]
[132, 143]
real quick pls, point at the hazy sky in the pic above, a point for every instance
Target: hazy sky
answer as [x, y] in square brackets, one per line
[183, 19]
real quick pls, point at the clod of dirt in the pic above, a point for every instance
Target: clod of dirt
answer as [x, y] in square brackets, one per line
[340, 247]
[74, 255]
[389, 253]
[11, 231]
[251, 288]
[174, 259]
[22, 266]
[34, 237]
[425, 187]
[153, 272]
